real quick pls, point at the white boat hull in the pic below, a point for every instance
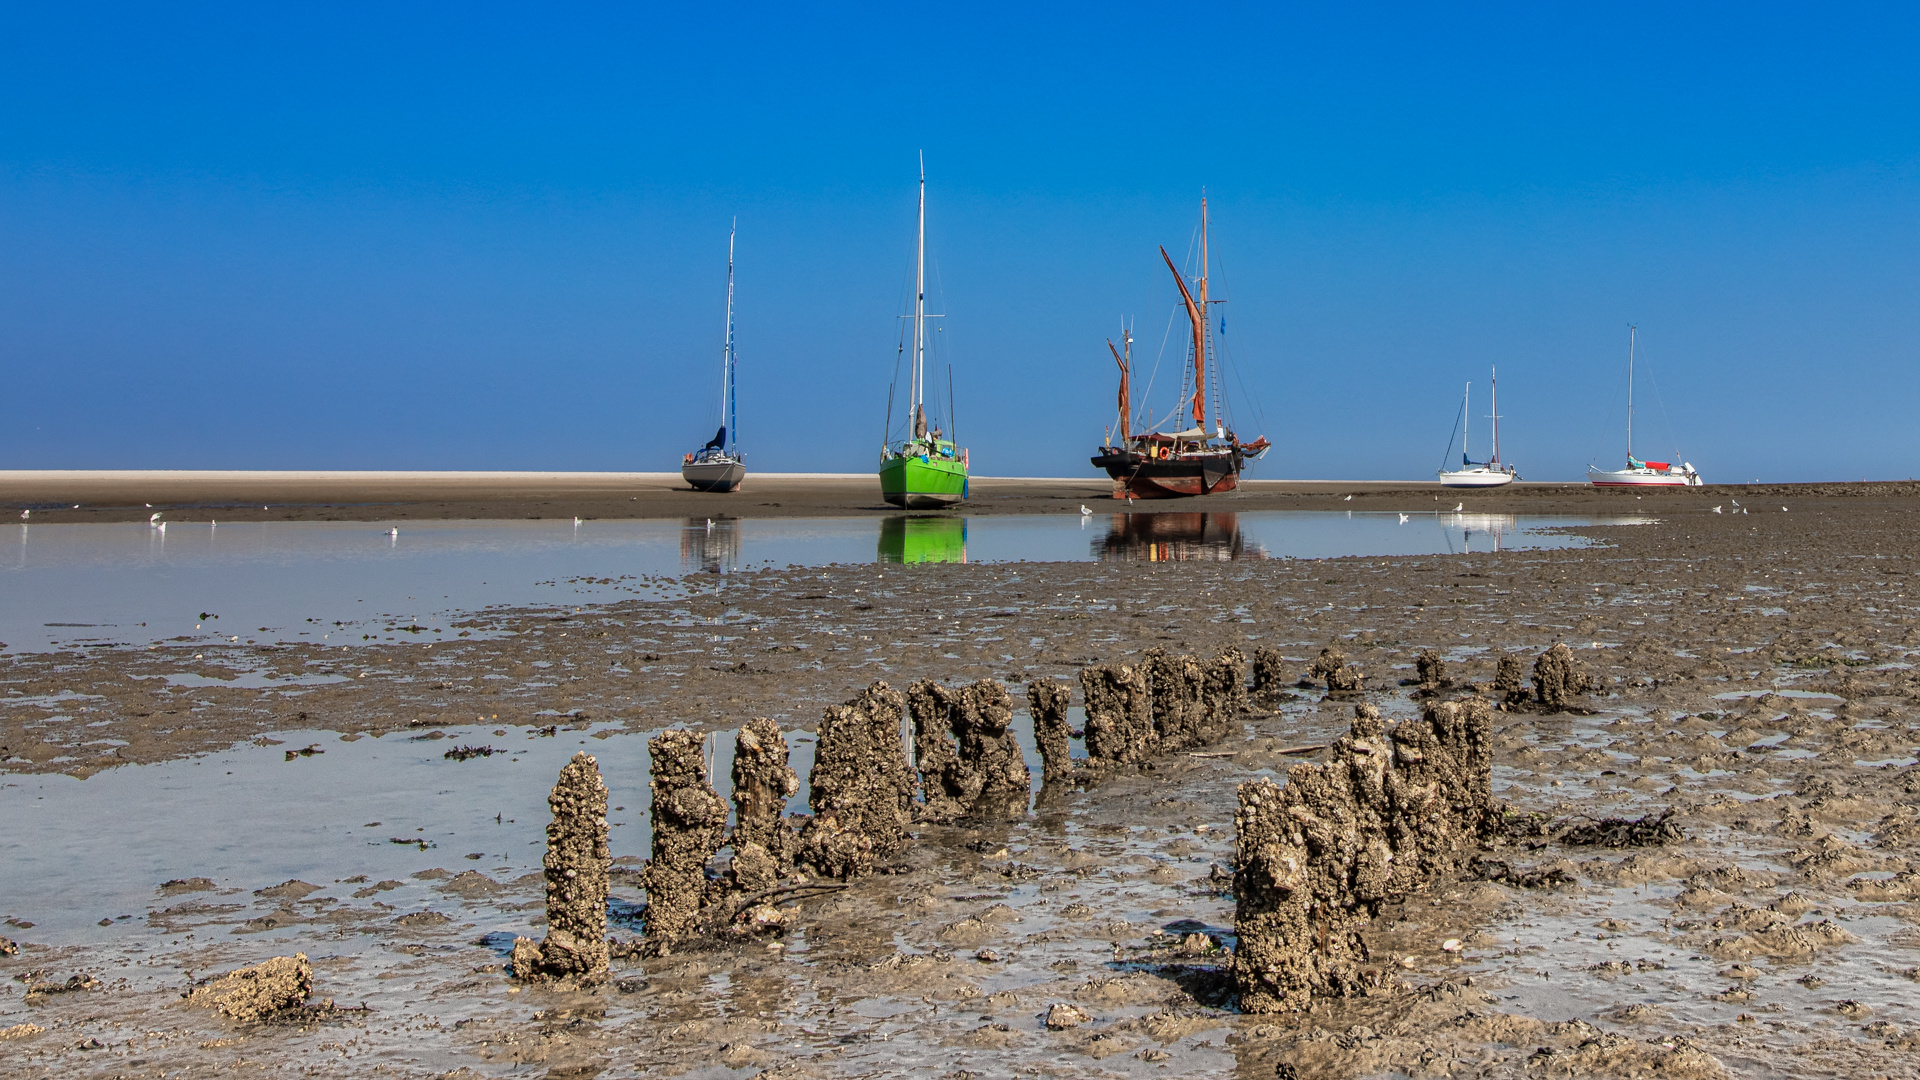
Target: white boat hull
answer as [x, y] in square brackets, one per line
[1643, 478]
[1476, 478]
[714, 475]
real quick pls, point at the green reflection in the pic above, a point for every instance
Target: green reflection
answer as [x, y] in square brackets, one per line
[912, 539]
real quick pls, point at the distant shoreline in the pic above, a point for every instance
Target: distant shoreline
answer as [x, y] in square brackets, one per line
[393, 495]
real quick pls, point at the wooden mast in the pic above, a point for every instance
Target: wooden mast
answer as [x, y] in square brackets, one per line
[1198, 318]
[1200, 336]
[1126, 394]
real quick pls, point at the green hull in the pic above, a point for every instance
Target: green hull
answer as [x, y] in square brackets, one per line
[923, 540]
[919, 483]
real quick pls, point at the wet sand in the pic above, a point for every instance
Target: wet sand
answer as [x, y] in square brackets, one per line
[1756, 676]
[52, 496]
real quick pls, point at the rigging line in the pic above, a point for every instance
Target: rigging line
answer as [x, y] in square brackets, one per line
[1448, 456]
[1146, 396]
[1660, 402]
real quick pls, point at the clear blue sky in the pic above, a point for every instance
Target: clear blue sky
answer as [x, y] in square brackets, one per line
[462, 236]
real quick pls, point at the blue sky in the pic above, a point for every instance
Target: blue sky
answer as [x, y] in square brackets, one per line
[460, 236]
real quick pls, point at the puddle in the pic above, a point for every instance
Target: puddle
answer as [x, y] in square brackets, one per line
[91, 586]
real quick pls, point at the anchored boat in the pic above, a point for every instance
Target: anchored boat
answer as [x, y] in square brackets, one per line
[1471, 473]
[924, 470]
[719, 465]
[1642, 473]
[1191, 460]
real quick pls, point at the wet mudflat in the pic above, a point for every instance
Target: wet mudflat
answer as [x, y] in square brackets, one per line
[1754, 675]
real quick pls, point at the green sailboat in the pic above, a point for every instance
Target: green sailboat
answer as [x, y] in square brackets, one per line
[925, 470]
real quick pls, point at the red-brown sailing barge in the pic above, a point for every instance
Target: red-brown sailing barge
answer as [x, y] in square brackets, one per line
[1192, 460]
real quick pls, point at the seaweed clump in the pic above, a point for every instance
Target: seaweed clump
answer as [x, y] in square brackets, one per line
[1387, 812]
[1651, 830]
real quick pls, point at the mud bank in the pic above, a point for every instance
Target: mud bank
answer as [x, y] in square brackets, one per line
[1752, 675]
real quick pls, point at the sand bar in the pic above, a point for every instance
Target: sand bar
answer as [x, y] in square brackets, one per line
[127, 495]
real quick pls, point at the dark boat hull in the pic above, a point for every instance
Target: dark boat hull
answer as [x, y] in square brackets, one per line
[1145, 477]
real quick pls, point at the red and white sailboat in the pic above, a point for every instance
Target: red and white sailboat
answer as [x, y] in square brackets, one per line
[1642, 473]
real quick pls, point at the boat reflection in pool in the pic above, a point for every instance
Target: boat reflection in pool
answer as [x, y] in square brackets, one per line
[1175, 538]
[923, 539]
[710, 545]
[1464, 531]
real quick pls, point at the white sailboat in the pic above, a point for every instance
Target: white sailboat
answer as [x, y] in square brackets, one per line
[1642, 473]
[1478, 474]
[719, 465]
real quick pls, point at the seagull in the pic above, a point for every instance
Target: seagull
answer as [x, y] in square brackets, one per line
[1403, 519]
[1783, 509]
[1347, 499]
[393, 532]
[1735, 502]
[1457, 507]
[155, 519]
[24, 513]
[1716, 509]
[576, 522]
[162, 527]
[1084, 512]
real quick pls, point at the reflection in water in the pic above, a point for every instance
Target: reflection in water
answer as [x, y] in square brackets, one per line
[1175, 538]
[1490, 528]
[923, 539]
[710, 544]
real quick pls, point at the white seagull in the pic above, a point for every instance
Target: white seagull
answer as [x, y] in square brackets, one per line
[1347, 499]
[1735, 502]
[1084, 512]
[155, 519]
[1716, 509]
[1457, 507]
[1404, 519]
[393, 532]
[24, 513]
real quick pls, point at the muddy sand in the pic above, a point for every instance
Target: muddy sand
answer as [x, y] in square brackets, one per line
[1752, 679]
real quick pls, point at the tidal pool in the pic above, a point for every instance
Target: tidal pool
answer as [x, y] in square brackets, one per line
[68, 586]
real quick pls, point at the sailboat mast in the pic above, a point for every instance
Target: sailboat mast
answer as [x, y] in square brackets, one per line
[920, 299]
[1631, 331]
[726, 368]
[1466, 420]
[1200, 331]
[1493, 381]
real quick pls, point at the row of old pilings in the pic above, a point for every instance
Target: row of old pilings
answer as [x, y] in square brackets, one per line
[864, 795]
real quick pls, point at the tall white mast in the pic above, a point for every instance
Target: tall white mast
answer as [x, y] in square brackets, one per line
[726, 360]
[1466, 421]
[1493, 380]
[1631, 331]
[920, 299]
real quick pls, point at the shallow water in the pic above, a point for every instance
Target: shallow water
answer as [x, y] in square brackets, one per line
[351, 582]
[264, 812]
